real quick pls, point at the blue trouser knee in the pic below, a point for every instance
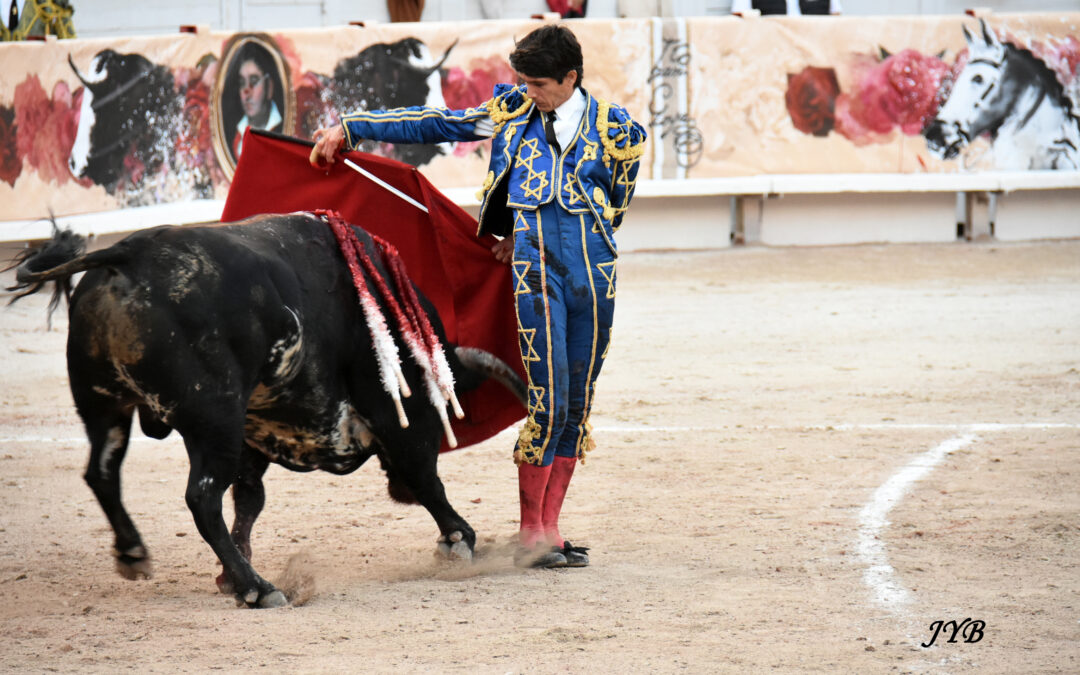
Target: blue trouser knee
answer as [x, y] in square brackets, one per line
[564, 291]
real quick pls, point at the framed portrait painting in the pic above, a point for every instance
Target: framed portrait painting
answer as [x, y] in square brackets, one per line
[253, 89]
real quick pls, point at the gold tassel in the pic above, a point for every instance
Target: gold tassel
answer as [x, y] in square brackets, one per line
[587, 444]
[525, 453]
[489, 180]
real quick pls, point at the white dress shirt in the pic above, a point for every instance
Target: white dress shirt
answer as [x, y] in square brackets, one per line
[567, 120]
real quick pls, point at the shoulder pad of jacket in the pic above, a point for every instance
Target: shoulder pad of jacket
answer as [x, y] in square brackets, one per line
[508, 101]
[623, 138]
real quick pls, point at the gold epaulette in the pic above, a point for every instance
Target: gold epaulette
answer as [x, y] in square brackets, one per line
[622, 139]
[503, 107]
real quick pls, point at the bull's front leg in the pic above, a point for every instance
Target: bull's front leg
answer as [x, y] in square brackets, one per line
[412, 471]
[214, 459]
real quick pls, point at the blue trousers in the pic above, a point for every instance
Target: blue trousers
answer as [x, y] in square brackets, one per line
[564, 292]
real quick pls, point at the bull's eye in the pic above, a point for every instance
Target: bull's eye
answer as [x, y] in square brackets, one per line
[977, 79]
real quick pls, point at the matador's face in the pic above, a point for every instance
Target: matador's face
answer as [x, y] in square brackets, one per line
[547, 92]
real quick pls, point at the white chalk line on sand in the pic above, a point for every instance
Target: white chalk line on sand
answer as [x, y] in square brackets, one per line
[879, 575]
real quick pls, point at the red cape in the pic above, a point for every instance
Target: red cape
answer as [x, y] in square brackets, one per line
[452, 267]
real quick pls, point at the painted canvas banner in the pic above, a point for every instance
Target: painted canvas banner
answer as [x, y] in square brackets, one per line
[96, 125]
[886, 94]
[92, 125]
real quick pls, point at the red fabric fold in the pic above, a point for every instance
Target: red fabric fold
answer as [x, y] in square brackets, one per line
[454, 269]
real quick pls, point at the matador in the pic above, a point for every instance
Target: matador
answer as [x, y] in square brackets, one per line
[561, 175]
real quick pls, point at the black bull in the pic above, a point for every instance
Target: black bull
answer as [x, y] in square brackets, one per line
[249, 341]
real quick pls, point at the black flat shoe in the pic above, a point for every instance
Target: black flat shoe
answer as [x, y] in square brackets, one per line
[540, 558]
[576, 556]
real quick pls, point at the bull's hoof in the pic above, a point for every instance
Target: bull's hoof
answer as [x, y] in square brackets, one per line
[454, 547]
[273, 600]
[134, 563]
[255, 600]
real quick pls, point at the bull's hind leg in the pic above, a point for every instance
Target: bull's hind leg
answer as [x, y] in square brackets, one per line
[411, 469]
[213, 450]
[109, 431]
[248, 500]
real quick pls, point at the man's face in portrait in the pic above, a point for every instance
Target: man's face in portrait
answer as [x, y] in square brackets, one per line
[256, 90]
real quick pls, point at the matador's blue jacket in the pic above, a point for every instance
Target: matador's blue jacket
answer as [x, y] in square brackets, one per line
[600, 175]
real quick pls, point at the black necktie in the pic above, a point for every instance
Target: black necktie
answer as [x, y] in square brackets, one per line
[549, 132]
[13, 16]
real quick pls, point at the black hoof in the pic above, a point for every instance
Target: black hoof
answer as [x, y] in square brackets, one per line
[266, 600]
[134, 563]
[455, 547]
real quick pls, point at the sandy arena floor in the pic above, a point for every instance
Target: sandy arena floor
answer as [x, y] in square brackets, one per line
[806, 458]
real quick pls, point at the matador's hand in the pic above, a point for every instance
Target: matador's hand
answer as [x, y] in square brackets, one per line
[504, 250]
[327, 143]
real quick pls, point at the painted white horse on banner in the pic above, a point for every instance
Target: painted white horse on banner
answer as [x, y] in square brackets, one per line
[1008, 94]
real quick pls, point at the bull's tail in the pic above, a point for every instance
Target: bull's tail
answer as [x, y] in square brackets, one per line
[487, 364]
[57, 260]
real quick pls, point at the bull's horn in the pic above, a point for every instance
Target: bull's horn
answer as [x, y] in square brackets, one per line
[443, 59]
[77, 73]
[495, 368]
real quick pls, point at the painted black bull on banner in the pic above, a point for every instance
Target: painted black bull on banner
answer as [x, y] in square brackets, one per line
[249, 341]
[128, 121]
[389, 75]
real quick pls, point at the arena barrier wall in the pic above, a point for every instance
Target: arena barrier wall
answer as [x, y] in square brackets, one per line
[773, 129]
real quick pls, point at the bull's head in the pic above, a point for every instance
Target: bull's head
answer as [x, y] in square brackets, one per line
[125, 97]
[393, 75]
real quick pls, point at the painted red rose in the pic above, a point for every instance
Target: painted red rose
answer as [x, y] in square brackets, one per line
[46, 128]
[903, 90]
[465, 90]
[313, 108]
[457, 89]
[908, 83]
[811, 100]
[10, 165]
[849, 120]
[193, 138]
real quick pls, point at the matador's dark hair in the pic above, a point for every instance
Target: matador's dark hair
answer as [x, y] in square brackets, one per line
[551, 51]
